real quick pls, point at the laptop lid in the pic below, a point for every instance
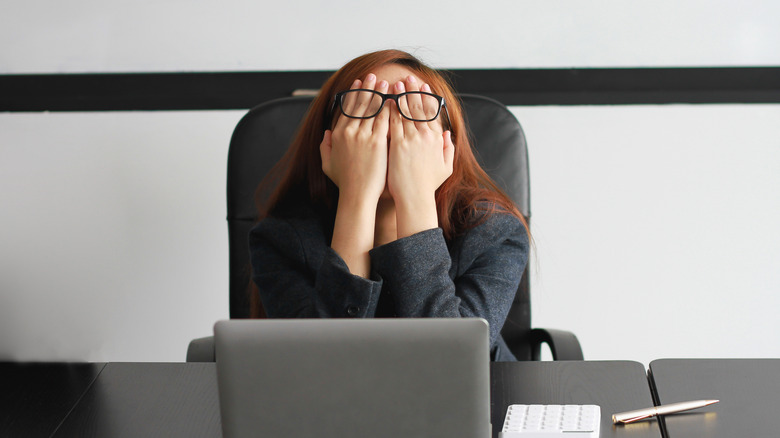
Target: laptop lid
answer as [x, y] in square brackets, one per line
[340, 378]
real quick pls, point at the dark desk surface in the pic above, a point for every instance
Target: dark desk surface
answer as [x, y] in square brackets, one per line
[748, 390]
[615, 386]
[180, 399]
[35, 398]
[148, 400]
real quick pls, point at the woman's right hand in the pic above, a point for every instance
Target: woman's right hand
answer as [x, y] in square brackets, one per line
[354, 154]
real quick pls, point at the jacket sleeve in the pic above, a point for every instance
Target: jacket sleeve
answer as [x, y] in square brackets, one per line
[424, 281]
[298, 275]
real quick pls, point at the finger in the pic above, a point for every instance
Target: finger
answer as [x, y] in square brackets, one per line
[430, 104]
[403, 107]
[364, 99]
[381, 121]
[396, 121]
[414, 101]
[348, 103]
[367, 102]
[325, 149]
[449, 152]
[411, 83]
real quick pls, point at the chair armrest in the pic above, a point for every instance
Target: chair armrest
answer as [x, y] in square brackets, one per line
[563, 345]
[201, 350]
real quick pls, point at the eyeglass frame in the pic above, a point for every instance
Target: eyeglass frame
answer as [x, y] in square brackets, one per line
[337, 100]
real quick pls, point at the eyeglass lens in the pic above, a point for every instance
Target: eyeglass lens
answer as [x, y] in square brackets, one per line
[416, 106]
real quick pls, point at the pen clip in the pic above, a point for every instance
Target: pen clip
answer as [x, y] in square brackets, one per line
[637, 418]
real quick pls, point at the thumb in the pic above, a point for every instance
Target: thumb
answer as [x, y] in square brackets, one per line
[449, 150]
[325, 148]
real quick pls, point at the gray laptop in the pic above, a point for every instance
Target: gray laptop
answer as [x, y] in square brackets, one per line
[341, 378]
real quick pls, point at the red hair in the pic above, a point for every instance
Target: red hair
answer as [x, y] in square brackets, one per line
[467, 194]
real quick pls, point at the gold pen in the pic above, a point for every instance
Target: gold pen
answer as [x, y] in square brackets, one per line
[639, 414]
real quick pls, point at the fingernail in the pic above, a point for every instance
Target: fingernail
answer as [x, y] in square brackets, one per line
[370, 77]
[399, 86]
[383, 84]
[426, 88]
[411, 79]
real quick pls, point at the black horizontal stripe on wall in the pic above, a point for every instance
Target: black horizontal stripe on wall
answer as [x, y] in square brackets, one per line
[242, 90]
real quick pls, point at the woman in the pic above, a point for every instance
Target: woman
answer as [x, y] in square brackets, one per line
[383, 211]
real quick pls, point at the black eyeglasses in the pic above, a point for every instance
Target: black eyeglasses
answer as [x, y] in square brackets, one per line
[417, 106]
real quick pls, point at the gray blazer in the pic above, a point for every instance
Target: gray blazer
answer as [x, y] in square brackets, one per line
[423, 275]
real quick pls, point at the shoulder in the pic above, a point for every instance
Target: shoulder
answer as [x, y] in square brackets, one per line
[497, 245]
[491, 224]
[495, 236]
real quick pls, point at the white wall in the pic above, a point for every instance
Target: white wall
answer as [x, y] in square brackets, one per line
[656, 228]
[654, 225]
[183, 35]
[113, 238]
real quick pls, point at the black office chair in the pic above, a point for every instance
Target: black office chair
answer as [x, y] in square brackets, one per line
[263, 135]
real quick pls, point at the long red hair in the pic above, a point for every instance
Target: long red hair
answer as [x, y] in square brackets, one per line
[467, 194]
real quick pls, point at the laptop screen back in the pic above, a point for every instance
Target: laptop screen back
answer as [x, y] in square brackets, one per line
[354, 378]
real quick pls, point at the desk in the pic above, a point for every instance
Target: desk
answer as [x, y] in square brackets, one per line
[180, 399]
[148, 400]
[748, 390]
[35, 398]
[615, 386]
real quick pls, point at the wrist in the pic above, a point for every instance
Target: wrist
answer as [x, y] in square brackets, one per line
[353, 233]
[357, 201]
[415, 214]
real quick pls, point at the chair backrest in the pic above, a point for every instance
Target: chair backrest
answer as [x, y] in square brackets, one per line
[264, 134]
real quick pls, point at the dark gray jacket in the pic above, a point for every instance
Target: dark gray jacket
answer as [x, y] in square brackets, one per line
[423, 275]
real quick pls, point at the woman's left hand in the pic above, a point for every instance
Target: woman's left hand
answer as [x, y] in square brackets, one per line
[420, 160]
